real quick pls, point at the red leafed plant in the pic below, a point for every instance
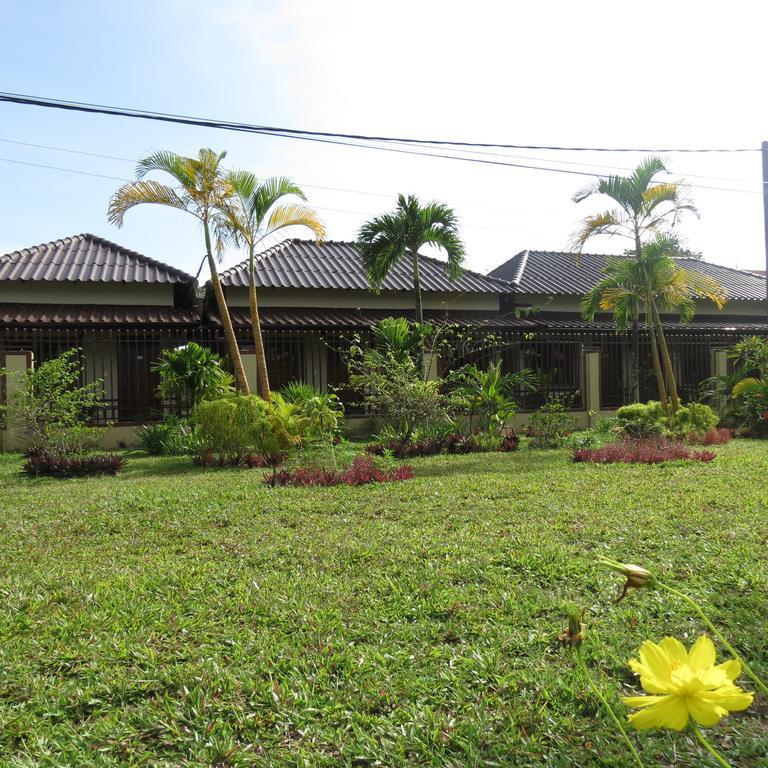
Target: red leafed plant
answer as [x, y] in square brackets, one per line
[640, 451]
[362, 471]
[250, 460]
[712, 436]
[55, 465]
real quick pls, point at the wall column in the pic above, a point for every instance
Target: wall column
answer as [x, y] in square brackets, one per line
[249, 364]
[15, 363]
[719, 367]
[592, 384]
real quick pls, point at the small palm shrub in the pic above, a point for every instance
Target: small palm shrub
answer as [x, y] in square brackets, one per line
[173, 437]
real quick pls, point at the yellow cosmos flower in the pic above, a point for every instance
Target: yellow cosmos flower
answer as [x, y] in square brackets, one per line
[684, 684]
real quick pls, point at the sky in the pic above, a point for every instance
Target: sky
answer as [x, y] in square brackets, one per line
[597, 74]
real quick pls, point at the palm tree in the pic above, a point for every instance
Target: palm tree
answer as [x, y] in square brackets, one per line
[643, 207]
[388, 239]
[256, 214]
[654, 280]
[201, 190]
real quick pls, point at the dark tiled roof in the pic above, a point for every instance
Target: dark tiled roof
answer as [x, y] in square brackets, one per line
[305, 264]
[558, 273]
[79, 314]
[308, 317]
[86, 258]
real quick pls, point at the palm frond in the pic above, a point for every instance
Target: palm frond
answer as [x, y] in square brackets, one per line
[283, 216]
[749, 386]
[180, 167]
[381, 243]
[605, 223]
[138, 192]
[705, 287]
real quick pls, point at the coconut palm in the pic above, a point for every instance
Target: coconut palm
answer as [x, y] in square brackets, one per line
[202, 190]
[654, 280]
[643, 208]
[258, 212]
[394, 237]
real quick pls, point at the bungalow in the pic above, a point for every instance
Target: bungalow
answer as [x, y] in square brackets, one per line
[122, 308]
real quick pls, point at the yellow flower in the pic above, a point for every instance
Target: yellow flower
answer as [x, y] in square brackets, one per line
[684, 684]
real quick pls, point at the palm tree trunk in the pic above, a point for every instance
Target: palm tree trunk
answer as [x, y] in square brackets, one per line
[655, 357]
[419, 309]
[258, 339]
[417, 286]
[226, 320]
[665, 356]
[636, 328]
[634, 359]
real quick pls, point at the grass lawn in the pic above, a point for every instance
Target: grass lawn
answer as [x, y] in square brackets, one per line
[176, 616]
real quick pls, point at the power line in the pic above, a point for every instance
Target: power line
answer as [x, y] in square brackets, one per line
[77, 106]
[681, 174]
[569, 171]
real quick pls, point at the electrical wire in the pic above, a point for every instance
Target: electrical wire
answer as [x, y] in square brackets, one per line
[78, 106]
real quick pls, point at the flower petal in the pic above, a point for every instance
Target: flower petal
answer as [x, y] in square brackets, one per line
[705, 712]
[656, 661]
[730, 697]
[702, 654]
[642, 701]
[732, 668]
[670, 712]
[674, 650]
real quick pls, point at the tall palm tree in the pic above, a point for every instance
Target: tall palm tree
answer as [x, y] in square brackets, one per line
[256, 214]
[654, 280]
[643, 208]
[202, 190]
[390, 238]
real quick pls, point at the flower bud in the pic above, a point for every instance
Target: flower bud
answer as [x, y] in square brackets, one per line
[636, 576]
[573, 635]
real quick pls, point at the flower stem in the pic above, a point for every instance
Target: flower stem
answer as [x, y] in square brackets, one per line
[705, 743]
[599, 694]
[713, 629]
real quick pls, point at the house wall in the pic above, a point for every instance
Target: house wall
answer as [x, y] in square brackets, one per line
[134, 294]
[338, 299]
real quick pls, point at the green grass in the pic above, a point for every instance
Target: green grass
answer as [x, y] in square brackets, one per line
[175, 616]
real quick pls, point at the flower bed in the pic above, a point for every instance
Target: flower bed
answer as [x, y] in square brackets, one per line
[362, 471]
[641, 451]
[43, 463]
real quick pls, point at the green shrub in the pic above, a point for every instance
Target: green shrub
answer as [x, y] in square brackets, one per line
[174, 437]
[322, 412]
[247, 424]
[550, 425]
[51, 407]
[642, 419]
[696, 418]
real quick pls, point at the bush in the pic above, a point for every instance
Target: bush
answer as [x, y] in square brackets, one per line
[362, 471]
[509, 442]
[696, 418]
[550, 425]
[244, 424]
[640, 451]
[50, 407]
[174, 437]
[45, 463]
[642, 419]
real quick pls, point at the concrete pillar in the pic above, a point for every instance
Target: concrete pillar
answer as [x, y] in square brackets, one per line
[592, 384]
[719, 367]
[14, 364]
[251, 374]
